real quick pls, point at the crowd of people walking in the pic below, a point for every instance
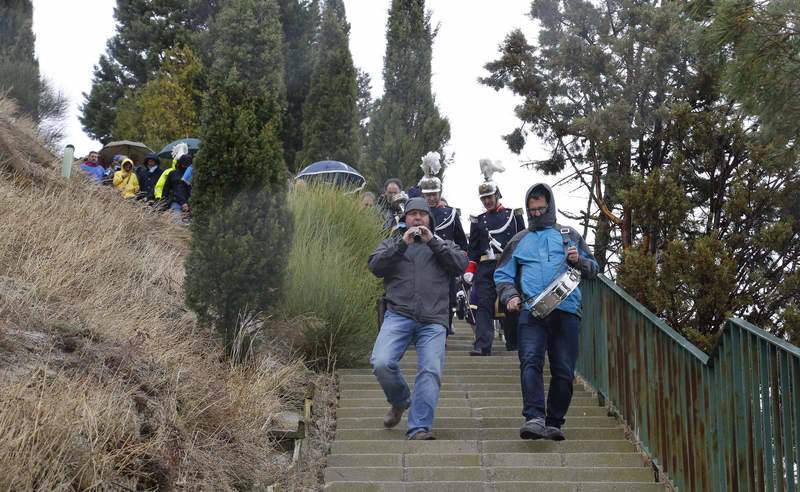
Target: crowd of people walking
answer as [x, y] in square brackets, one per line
[427, 264]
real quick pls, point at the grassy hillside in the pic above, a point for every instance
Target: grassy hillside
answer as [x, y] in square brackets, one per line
[106, 382]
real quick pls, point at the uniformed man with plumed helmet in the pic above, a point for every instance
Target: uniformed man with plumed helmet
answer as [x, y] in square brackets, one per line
[488, 235]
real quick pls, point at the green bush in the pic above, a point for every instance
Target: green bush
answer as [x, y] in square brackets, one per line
[327, 276]
[236, 268]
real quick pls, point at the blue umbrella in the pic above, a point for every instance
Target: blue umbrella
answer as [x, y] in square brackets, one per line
[192, 143]
[333, 172]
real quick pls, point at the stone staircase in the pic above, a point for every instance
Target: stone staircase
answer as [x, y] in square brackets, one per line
[477, 429]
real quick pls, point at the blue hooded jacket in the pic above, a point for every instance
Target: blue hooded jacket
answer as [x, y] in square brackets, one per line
[536, 256]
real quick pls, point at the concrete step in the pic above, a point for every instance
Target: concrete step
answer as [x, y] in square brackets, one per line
[471, 446]
[494, 474]
[465, 411]
[492, 460]
[499, 486]
[453, 393]
[458, 402]
[467, 371]
[446, 378]
[499, 433]
[468, 387]
[473, 422]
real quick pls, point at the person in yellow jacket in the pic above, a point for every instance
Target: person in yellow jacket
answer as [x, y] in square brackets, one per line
[125, 180]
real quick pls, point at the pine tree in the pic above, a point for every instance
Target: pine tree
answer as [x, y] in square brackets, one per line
[166, 108]
[35, 96]
[330, 114]
[406, 123]
[19, 68]
[300, 22]
[686, 193]
[146, 30]
[764, 70]
[241, 225]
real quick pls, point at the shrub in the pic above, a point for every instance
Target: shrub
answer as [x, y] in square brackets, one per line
[236, 267]
[328, 277]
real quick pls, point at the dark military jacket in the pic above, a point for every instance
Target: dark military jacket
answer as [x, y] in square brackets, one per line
[490, 231]
[448, 225]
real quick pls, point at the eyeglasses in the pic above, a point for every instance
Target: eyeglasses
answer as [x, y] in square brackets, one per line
[541, 210]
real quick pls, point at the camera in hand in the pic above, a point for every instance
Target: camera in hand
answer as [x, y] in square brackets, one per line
[417, 236]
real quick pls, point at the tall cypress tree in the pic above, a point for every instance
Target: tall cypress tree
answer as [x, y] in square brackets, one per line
[19, 68]
[406, 123]
[300, 22]
[241, 224]
[330, 113]
[146, 30]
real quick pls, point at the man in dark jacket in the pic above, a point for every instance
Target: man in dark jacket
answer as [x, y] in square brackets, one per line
[171, 194]
[416, 267]
[148, 176]
[530, 262]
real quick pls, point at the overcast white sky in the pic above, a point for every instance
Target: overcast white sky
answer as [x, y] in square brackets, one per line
[69, 41]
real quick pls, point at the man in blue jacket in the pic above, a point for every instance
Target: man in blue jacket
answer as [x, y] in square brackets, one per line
[416, 267]
[532, 260]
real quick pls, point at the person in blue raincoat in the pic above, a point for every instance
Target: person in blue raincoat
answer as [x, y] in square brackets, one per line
[531, 261]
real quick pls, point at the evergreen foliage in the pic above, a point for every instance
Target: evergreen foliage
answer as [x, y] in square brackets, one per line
[146, 31]
[328, 279]
[763, 73]
[19, 68]
[330, 114]
[241, 226]
[300, 22]
[166, 108]
[237, 264]
[685, 192]
[406, 123]
[35, 96]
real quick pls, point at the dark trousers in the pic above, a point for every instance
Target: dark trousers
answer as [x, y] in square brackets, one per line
[557, 335]
[484, 329]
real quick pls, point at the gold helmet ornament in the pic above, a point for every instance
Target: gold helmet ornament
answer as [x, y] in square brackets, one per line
[488, 168]
[431, 165]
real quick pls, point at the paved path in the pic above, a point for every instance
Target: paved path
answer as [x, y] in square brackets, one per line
[477, 428]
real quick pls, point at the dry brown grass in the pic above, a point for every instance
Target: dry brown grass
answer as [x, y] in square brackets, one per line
[106, 382]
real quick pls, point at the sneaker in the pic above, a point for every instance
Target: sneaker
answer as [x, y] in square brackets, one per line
[479, 353]
[393, 417]
[533, 429]
[422, 435]
[553, 433]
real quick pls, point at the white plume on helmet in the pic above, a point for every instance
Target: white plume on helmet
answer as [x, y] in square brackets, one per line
[431, 165]
[488, 168]
[179, 150]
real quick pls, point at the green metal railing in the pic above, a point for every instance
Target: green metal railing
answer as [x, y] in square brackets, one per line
[725, 422]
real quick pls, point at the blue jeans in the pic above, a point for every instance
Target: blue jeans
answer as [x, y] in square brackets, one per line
[397, 333]
[557, 334]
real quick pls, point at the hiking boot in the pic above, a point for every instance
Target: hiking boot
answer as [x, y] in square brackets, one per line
[533, 429]
[553, 433]
[422, 435]
[393, 417]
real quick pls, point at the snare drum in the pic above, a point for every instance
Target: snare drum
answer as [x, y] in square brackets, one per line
[555, 293]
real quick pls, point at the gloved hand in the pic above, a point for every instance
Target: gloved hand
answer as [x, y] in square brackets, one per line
[468, 278]
[461, 295]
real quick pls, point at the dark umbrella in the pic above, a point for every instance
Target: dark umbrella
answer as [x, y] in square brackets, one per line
[333, 172]
[192, 143]
[136, 151]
